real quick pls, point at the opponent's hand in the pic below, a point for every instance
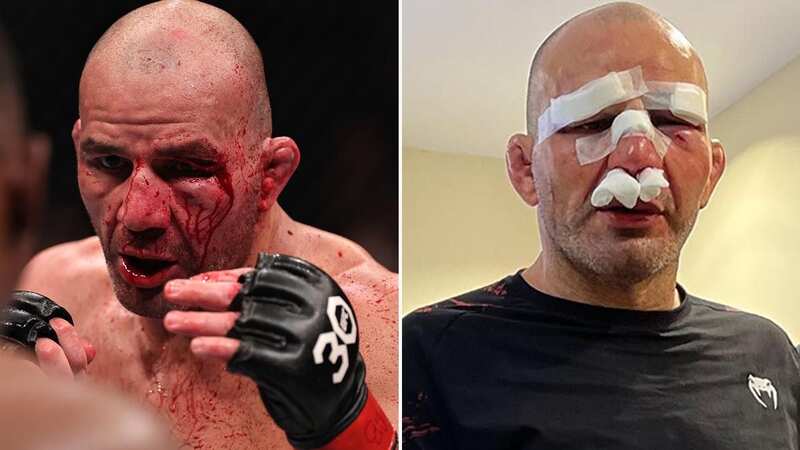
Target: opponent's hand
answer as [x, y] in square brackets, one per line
[290, 328]
[44, 333]
[69, 356]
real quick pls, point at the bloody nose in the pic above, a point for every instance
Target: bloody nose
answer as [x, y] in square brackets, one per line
[145, 211]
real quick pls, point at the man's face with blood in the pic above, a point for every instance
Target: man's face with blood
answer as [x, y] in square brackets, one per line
[615, 241]
[168, 171]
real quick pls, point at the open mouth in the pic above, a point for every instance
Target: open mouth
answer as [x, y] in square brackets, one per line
[146, 272]
[145, 267]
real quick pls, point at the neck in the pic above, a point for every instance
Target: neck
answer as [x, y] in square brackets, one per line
[274, 228]
[557, 277]
[154, 335]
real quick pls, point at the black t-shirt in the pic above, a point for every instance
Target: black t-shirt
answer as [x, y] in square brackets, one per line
[508, 367]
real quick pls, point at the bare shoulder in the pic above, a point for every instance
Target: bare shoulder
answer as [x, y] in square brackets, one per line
[346, 261]
[372, 289]
[65, 271]
[371, 280]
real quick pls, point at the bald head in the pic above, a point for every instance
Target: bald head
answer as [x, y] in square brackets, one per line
[174, 144]
[188, 48]
[612, 37]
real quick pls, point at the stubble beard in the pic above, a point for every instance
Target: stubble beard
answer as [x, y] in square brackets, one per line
[622, 258]
[150, 303]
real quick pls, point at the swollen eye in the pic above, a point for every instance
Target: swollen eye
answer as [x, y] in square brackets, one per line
[183, 169]
[594, 126]
[670, 121]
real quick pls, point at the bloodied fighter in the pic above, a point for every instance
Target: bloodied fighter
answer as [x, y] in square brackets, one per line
[595, 345]
[180, 175]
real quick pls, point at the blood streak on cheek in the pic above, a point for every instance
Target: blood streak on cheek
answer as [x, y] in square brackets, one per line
[202, 216]
[110, 219]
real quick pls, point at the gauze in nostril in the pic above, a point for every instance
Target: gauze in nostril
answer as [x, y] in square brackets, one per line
[651, 181]
[627, 190]
[616, 184]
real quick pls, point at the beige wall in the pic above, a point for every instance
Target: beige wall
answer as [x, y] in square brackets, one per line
[464, 227]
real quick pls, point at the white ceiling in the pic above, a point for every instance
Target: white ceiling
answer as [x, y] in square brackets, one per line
[465, 62]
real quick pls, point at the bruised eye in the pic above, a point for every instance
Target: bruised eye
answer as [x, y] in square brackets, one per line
[172, 169]
[594, 126]
[666, 120]
[671, 123]
[184, 168]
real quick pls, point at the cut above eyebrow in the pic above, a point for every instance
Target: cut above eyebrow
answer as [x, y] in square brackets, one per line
[197, 148]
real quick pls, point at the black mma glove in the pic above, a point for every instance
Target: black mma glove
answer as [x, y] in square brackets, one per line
[299, 342]
[27, 318]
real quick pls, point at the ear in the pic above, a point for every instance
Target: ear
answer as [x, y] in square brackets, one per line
[717, 167]
[281, 157]
[518, 165]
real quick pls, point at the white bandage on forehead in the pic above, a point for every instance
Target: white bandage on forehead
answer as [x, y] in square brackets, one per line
[618, 184]
[590, 99]
[684, 100]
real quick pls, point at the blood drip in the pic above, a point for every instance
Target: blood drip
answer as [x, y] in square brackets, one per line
[201, 224]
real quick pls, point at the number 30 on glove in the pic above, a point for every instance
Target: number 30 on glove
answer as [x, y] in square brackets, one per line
[299, 343]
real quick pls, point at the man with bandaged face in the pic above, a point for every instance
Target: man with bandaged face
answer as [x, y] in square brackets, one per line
[596, 345]
[180, 174]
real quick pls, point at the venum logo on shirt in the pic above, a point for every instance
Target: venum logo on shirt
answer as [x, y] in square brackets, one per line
[764, 392]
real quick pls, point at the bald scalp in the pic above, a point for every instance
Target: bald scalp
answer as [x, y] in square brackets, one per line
[196, 43]
[602, 17]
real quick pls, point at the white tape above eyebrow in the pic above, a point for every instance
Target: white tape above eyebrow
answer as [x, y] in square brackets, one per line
[590, 99]
[684, 100]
